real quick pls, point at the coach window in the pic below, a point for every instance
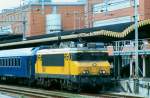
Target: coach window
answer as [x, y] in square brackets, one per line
[0, 62]
[4, 62]
[19, 62]
[16, 61]
[10, 62]
[7, 61]
[13, 61]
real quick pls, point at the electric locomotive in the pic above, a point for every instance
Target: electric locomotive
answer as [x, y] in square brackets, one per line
[71, 68]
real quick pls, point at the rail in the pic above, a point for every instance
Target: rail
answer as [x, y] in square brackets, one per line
[119, 95]
[40, 93]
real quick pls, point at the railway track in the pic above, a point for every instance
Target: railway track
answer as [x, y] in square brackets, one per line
[39, 93]
[112, 95]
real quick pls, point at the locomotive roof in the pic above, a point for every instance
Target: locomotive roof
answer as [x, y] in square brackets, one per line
[69, 50]
[30, 51]
[16, 52]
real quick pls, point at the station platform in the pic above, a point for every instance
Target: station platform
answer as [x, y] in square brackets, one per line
[127, 86]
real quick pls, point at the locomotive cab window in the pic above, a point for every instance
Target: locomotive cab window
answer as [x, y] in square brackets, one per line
[53, 60]
[89, 56]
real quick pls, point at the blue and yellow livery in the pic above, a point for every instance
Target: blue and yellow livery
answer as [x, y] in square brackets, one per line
[66, 67]
[73, 66]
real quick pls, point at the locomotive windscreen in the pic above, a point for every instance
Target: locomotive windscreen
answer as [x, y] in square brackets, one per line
[89, 56]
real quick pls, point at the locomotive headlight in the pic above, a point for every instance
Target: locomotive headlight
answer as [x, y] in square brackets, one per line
[94, 64]
[85, 72]
[103, 71]
[100, 71]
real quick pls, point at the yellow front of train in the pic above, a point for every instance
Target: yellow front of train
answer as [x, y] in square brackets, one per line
[89, 63]
[89, 68]
[73, 66]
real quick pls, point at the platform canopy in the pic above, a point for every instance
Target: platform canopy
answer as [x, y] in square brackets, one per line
[97, 34]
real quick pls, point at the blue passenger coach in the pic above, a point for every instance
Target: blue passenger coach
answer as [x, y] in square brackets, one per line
[17, 62]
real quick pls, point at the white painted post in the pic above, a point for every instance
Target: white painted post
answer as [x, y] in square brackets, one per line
[131, 67]
[144, 67]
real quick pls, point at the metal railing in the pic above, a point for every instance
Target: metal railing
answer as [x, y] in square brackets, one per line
[128, 46]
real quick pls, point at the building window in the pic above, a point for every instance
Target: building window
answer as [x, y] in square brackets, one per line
[112, 5]
[113, 21]
[99, 8]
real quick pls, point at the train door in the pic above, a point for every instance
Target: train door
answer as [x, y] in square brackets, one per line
[31, 65]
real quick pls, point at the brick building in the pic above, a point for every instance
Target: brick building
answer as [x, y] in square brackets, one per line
[71, 17]
[106, 14]
[102, 13]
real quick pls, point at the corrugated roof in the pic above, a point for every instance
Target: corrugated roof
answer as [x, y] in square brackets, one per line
[124, 33]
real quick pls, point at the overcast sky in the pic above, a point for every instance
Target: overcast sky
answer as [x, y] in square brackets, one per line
[4, 4]
[9, 3]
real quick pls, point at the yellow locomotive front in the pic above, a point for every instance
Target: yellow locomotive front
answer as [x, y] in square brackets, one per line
[73, 67]
[89, 67]
[89, 63]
